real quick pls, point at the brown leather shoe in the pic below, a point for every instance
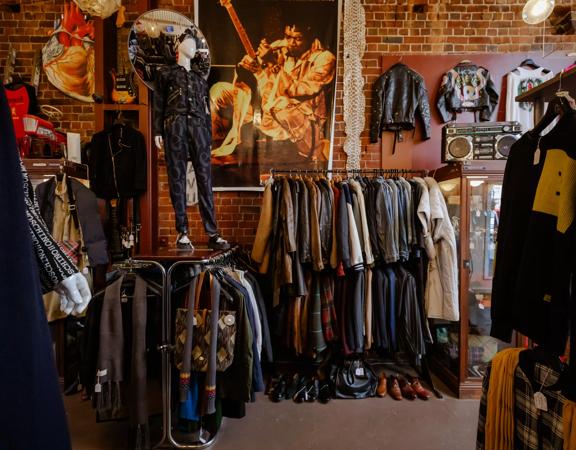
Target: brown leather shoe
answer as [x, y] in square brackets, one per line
[406, 389]
[394, 388]
[417, 387]
[381, 389]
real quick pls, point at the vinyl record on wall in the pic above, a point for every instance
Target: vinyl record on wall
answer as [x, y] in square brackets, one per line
[153, 42]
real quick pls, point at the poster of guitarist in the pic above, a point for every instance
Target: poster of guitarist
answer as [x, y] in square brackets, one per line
[271, 107]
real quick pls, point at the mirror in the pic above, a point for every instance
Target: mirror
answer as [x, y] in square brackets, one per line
[153, 41]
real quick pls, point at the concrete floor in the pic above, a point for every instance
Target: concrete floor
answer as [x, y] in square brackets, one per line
[371, 424]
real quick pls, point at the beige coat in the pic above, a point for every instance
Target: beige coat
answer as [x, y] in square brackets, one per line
[441, 296]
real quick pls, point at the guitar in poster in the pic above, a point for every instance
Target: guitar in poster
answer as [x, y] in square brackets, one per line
[272, 85]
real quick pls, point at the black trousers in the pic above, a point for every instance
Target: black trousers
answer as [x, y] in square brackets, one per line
[189, 137]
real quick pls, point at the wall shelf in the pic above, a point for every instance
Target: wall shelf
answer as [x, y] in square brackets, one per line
[546, 90]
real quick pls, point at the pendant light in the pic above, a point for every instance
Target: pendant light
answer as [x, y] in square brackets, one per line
[537, 11]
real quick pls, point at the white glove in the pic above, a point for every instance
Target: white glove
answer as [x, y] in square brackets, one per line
[74, 294]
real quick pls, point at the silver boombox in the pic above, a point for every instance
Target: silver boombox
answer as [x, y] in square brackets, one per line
[469, 141]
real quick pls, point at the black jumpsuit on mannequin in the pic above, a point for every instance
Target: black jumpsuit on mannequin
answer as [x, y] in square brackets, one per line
[182, 118]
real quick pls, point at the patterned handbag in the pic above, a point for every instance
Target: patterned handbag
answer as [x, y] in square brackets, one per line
[226, 338]
[201, 339]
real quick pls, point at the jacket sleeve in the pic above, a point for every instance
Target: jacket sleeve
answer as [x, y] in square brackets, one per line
[140, 182]
[158, 105]
[377, 109]
[92, 232]
[320, 74]
[444, 94]
[492, 94]
[53, 264]
[424, 108]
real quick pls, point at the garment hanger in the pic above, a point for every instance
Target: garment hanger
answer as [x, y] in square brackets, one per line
[561, 104]
[529, 62]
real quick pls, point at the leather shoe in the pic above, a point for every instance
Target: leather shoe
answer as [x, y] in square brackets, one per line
[312, 390]
[324, 394]
[381, 388]
[417, 387]
[394, 388]
[301, 394]
[278, 391]
[406, 389]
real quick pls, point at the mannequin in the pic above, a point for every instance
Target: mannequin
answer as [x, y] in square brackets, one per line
[182, 125]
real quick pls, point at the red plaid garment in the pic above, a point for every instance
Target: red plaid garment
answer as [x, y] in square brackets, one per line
[327, 304]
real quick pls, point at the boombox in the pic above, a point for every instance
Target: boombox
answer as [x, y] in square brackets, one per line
[489, 140]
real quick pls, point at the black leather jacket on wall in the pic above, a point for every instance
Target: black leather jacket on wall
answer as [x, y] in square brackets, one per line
[398, 94]
[467, 87]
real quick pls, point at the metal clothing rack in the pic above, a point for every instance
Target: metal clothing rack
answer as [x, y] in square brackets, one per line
[194, 260]
[351, 171]
[131, 265]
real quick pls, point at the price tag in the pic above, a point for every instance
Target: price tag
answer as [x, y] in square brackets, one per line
[359, 371]
[537, 156]
[97, 388]
[540, 401]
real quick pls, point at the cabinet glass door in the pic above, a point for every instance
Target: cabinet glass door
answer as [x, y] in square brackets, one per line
[484, 212]
[445, 334]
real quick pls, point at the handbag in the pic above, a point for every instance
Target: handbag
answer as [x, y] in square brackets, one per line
[354, 379]
[225, 340]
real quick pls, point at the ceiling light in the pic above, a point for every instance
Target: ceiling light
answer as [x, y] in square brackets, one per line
[537, 11]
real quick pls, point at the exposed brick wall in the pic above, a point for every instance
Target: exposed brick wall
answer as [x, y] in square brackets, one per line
[448, 26]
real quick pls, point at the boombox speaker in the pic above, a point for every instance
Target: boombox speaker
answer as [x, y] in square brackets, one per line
[488, 140]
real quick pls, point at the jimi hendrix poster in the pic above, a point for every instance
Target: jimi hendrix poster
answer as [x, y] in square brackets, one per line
[272, 85]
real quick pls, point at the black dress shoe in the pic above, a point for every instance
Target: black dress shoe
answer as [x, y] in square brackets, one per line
[312, 390]
[324, 394]
[292, 385]
[278, 391]
[301, 394]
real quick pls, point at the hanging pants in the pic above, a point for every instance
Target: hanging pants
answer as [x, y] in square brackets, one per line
[189, 138]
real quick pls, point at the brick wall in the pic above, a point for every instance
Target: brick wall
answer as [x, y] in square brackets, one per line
[448, 26]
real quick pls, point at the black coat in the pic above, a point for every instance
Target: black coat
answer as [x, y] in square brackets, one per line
[32, 416]
[399, 94]
[117, 163]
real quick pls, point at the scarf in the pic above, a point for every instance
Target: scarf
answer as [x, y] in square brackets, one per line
[110, 372]
[500, 408]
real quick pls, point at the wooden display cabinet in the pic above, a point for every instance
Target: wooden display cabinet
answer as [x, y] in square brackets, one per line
[112, 53]
[461, 350]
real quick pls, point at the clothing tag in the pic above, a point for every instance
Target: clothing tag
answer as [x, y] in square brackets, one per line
[540, 401]
[97, 388]
[203, 436]
[195, 321]
[537, 156]
[124, 298]
[102, 372]
[359, 371]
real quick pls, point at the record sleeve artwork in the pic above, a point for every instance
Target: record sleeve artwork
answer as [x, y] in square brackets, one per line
[68, 56]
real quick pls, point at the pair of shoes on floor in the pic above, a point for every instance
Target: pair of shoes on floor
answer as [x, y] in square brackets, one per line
[277, 392]
[409, 388]
[307, 390]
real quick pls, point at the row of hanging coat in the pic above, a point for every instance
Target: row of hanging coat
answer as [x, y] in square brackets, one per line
[346, 262]
[221, 339]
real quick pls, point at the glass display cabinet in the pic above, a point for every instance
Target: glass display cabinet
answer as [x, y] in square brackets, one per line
[461, 350]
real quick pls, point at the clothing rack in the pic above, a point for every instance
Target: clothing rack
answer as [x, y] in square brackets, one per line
[424, 369]
[422, 172]
[194, 263]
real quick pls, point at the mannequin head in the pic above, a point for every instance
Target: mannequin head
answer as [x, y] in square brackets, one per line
[187, 47]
